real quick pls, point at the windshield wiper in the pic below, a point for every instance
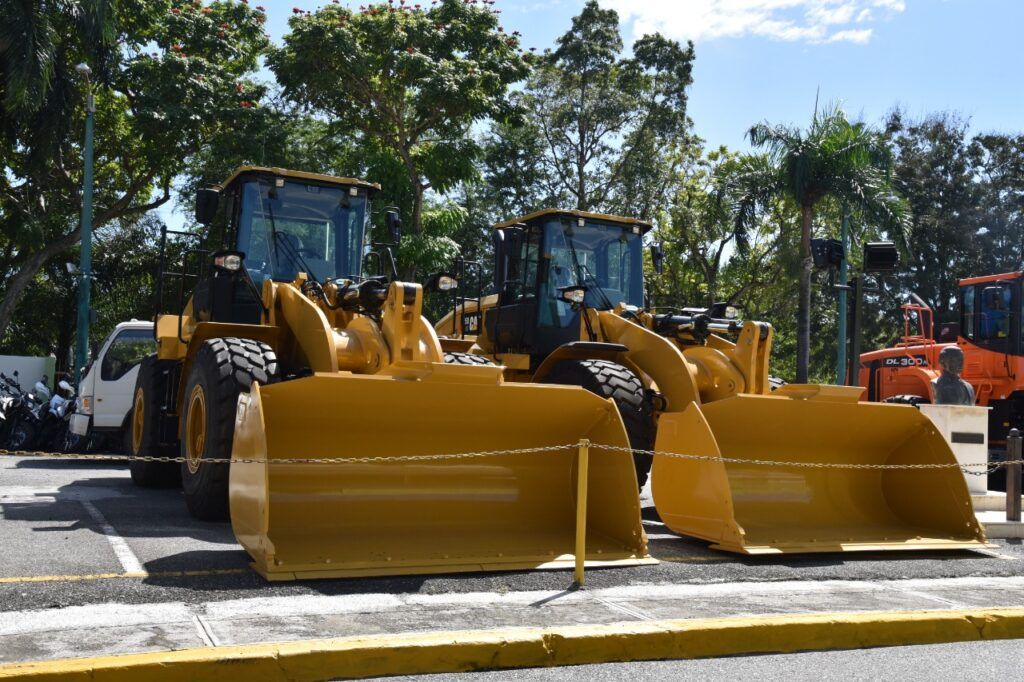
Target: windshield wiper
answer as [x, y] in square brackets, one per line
[582, 272]
[283, 241]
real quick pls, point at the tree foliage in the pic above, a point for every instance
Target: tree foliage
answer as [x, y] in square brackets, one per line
[833, 158]
[410, 80]
[167, 78]
[606, 120]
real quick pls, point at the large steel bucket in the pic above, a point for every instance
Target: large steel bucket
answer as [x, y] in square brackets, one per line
[379, 517]
[758, 508]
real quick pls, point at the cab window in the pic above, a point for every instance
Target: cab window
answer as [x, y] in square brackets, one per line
[994, 322]
[126, 350]
[967, 308]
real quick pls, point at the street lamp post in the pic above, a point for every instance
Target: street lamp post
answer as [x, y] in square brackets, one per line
[85, 261]
[841, 378]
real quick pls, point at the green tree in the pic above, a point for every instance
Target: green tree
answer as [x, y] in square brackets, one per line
[836, 159]
[167, 77]
[410, 80]
[607, 121]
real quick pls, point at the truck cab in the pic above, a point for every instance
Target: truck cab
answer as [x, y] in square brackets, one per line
[105, 392]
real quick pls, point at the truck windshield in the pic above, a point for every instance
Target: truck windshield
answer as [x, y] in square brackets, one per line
[299, 227]
[606, 258]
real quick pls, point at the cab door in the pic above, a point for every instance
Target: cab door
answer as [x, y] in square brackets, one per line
[118, 370]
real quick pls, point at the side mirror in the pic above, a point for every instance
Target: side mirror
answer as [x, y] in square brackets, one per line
[207, 200]
[513, 241]
[657, 257]
[394, 225]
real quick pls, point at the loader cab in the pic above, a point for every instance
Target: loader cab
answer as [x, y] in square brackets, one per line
[551, 265]
[272, 224]
[990, 313]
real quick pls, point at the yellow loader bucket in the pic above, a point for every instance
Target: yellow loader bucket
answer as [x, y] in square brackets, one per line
[760, 509]
[380, 517]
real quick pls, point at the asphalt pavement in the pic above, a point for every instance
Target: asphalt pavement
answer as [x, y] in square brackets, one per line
[968, 661]
[79, 532]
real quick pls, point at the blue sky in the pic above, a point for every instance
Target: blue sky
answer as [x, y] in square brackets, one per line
[765, 59]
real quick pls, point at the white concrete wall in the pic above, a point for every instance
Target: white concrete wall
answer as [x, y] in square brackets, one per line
[30, 369]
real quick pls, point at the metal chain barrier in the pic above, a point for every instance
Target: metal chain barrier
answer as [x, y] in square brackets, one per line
[989, 467]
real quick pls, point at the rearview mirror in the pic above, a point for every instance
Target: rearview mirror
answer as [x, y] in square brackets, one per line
[394, 225]
[657, 257]
[207, 199]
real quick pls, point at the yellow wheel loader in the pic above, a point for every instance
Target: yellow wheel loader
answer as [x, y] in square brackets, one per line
[312, 405]
[570, 310]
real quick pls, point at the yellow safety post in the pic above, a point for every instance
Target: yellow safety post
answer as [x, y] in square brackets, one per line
[581, 508]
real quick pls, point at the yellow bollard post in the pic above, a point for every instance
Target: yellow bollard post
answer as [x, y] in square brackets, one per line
[582, 467]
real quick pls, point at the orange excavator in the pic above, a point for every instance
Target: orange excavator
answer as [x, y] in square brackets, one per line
[989, 331]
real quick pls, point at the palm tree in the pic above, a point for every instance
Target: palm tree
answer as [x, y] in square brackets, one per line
[848, 162]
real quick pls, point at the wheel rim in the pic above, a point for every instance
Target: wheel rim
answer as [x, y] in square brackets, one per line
[138, 419]
[195, 429]
[19, 437]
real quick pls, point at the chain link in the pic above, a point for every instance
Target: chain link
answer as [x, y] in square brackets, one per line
[801, 465]
[988, 466]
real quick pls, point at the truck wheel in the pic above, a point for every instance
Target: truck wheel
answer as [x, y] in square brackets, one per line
[453, 358]
[222, 369]
[141, 433]
[612, 380]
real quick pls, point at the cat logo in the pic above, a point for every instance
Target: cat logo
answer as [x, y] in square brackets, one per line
[907, 361]
[471, 323]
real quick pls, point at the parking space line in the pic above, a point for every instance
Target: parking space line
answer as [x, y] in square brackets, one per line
[129, 562]
[684, 559]
[114, 576]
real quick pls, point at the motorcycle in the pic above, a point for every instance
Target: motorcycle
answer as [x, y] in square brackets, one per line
[22, 416]
[53, 421]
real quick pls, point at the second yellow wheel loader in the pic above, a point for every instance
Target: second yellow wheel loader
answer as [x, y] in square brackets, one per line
[570, 310]
[313, 377]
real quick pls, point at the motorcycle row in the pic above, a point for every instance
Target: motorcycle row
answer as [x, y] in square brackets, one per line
[35, 419]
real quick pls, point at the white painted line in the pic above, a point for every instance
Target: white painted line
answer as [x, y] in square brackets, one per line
[204, 631]
[93, 617]
[622, 608]
[129, 562]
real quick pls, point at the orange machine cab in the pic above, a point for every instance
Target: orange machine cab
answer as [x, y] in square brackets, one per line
[989, 332]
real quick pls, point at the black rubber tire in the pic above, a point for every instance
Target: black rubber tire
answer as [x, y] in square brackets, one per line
[21, 437]
[223, 368]
[453, 358]
[914, 400]
[152, 382]
[775, 383]
[611, 380]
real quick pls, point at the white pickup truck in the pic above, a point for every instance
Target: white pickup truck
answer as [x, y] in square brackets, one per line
[105, 393]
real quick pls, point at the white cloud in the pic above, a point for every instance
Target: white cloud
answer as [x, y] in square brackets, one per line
[811, 21]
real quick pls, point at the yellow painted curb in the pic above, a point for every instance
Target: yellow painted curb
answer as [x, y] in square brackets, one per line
[403, 654]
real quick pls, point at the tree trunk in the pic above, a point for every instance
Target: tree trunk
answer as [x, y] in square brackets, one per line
[22, 278]
[803, 317]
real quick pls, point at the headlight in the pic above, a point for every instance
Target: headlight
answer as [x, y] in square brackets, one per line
[574, 295]
[84, 404]
[447, 283]
[731, 313]
[228, 261]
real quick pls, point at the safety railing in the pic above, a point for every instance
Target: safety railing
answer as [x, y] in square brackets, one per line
[1013, 465]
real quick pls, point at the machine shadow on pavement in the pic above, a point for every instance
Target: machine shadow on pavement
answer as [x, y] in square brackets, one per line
[132, 512]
